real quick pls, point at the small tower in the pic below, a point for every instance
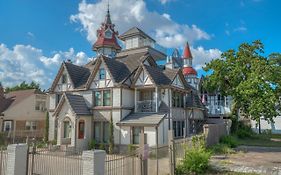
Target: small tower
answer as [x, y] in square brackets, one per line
[189, 72]
[175, 61]
[107, 43]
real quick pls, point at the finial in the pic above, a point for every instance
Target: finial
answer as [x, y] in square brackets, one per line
[108, 6]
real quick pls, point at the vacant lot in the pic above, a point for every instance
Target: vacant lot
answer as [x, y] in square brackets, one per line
[260, 160]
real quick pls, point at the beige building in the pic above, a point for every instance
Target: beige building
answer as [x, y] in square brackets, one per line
[125, 86]
[23, 113]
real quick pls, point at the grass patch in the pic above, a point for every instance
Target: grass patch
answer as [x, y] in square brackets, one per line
[264, 140]
[221, 148]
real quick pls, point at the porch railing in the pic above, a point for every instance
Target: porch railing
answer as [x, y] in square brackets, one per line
[146, 106]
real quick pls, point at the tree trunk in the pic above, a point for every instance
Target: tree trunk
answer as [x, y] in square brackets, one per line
[259, 125]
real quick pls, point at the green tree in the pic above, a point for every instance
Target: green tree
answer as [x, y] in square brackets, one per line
[251, 79]
[24, 86]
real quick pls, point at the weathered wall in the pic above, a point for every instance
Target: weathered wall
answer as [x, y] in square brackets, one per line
[214, 132]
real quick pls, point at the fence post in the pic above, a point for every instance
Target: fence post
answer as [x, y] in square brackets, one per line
[16, 163]
[143, 151]
[93, 162]
[171, 151]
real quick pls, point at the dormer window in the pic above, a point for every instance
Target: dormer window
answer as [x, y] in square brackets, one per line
[108, 34]
[64, 79]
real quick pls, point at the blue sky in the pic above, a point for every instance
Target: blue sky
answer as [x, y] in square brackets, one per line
[35, 36]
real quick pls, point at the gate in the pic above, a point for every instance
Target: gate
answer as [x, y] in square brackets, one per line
[3, 161]
[118, 164]
[45, 161]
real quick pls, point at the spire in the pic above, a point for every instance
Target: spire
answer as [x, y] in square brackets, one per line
[107, 17]
[187, 52]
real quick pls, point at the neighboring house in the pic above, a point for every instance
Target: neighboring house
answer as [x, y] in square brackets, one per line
[23, 113]
[125, 86]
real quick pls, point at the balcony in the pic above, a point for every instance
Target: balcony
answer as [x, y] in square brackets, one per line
[146, 106]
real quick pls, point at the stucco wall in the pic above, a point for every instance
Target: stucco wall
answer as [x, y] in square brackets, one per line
[116, 97]
[274, 127]
[128, 98]
[125, 135]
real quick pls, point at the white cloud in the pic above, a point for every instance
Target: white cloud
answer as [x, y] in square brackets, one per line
[165, 31]
[164, 1]
[27, 63]
[30, 34]
[202, 56]
[240, 29]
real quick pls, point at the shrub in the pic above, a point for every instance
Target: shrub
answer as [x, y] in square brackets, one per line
[131, 148]
[92, 144]
[229, 141]
[102, 146]
[53, 142]
[196, 158]
[244, 131]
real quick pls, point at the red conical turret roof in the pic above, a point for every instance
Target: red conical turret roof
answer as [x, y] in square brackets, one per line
[102, 40]
[187, 52]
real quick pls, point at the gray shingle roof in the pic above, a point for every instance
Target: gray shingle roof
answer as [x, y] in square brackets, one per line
[78, 74]
[78, 104]
[134, 31]
[193, 101]
[141, 119]
[157, 75]
[118, 70]
[132, 61]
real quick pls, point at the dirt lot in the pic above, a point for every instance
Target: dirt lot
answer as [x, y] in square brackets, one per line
[261, 160]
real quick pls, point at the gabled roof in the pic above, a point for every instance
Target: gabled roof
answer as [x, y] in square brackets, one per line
[13, 98]
[132, 61]
[157, 75]
[77, 104]
[117, 69]
[78, 74]
[193, 101]
[133, 32]
[142, 119]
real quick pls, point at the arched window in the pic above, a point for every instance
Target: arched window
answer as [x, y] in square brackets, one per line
[81, 129]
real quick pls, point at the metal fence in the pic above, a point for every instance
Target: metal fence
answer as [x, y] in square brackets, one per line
[46, 161]
[118, 164]
[3, 161]
[158, 160]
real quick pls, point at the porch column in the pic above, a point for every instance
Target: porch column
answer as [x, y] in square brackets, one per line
[136, 100]
[156, 98]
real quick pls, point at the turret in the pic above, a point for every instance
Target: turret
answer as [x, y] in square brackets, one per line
[107, 43]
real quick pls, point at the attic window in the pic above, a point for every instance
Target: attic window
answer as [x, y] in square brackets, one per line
[108, 34]
[102, 74]
[64, 79]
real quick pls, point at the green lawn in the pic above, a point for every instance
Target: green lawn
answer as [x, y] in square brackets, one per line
[262, 140]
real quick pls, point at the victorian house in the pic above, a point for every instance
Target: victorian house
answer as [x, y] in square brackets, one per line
[125, 86]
